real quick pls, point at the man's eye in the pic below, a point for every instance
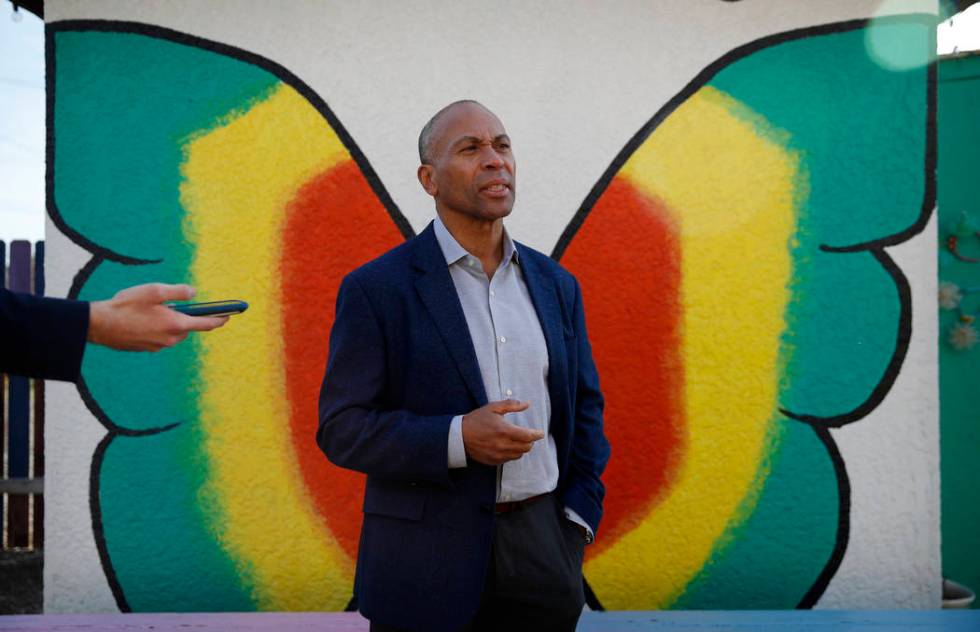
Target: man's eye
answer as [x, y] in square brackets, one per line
[469, 148]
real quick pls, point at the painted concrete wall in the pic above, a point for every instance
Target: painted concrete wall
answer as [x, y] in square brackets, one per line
[959, 153]
[744, 190]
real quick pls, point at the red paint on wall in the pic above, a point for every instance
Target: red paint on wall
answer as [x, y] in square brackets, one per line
[626, 256]
[335, 223]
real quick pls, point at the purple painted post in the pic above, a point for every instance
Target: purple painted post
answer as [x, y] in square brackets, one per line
[39, 269]
[19, 411]
[37, 516]
[3, 393]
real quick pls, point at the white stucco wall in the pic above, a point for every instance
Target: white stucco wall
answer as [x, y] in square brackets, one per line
[572, 82]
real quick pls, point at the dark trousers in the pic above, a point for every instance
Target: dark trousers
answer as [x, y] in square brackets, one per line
[535, 577]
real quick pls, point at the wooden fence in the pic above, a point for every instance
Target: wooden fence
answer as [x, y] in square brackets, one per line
[22, 411]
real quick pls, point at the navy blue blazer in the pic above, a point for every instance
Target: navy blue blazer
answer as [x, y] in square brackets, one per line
[401, 366]
[42, 337]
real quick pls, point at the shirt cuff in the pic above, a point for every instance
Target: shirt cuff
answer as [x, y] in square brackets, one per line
[457, 451]
[577, 519]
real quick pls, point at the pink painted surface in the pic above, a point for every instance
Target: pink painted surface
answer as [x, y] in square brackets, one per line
[195, 621]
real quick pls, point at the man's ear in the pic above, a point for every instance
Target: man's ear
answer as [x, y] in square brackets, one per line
[426, 174]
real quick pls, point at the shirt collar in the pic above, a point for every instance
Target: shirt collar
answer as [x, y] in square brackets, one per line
[453, 252]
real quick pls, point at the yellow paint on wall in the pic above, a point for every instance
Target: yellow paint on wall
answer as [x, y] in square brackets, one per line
[238, 179]
[731, 183]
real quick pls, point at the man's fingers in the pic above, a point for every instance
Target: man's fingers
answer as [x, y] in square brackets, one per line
[503, 452]
[156, 293]
[491, 439]
[522, 435]
[508, 406]
[202, 323]
[515, 452]
[178, 292]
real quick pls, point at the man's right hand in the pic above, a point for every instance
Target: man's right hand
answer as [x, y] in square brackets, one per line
[137, 319]
[492, 440]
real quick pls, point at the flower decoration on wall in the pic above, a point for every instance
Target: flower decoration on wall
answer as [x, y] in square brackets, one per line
[949, 295]
[962, 335]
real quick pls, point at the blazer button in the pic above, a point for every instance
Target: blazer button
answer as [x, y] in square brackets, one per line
[487, 507]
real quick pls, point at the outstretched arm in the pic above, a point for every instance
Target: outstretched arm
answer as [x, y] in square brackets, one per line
[45, 337]
[42, 337]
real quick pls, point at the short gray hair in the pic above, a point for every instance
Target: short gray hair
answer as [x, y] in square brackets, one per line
[425, 137]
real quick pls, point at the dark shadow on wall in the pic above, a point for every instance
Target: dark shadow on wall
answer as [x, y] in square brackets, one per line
[21, 586]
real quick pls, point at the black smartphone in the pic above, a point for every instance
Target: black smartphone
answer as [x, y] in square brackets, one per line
[214, 308]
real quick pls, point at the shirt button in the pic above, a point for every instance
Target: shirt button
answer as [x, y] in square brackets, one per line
[509, 392]
[503, 339]
[492, 293]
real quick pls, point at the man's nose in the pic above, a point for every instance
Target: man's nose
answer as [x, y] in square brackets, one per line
[492, 159]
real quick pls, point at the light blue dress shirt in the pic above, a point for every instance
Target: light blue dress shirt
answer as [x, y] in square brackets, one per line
[513, 357]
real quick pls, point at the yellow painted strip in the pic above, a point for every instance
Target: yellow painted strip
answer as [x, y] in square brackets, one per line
[731, 184]
[238, 181]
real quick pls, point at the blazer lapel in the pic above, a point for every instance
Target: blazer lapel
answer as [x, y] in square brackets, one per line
[438, 294]
[544, 295]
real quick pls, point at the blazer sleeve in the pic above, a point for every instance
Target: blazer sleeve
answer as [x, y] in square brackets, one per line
[585, 491]
[356, 430]
[42, 337]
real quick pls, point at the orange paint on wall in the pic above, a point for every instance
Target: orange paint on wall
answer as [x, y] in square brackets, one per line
[627, 258]
[335, 223]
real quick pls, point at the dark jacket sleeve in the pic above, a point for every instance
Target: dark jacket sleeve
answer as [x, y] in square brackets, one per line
[42, 337]
[357, 431]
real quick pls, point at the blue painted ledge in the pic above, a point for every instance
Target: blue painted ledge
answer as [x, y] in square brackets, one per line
[740, 620]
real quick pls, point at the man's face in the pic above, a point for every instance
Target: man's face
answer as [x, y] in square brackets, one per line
[472, 170]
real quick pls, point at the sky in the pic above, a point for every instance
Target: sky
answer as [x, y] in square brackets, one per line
[960, 33]
[22, 112]
[21, 125]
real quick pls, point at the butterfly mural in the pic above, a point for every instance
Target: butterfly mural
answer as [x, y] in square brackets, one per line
[733, 265]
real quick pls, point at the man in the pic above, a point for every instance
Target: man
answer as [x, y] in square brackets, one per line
[460, 380]
[45, 337]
